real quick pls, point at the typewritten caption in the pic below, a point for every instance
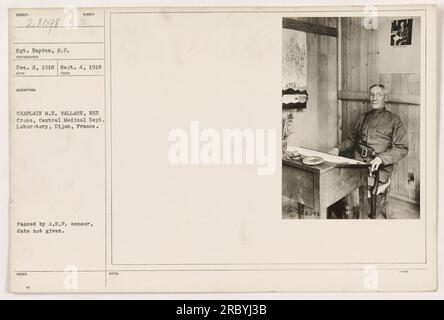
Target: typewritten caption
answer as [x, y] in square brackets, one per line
[58, 120]
[50, 227]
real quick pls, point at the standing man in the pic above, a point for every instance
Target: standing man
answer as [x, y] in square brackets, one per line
[378, 138]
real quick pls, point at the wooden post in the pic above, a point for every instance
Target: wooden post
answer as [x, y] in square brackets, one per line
[339, 85]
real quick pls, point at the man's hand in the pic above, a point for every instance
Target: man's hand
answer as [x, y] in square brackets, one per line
[376, 162]
[334, 151]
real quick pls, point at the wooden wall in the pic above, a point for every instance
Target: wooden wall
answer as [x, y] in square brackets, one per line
[360, 67]
[315, 127]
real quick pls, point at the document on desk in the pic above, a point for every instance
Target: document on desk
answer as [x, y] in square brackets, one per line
[145, 157]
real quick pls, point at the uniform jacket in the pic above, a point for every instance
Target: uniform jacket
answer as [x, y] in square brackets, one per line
[384, 132]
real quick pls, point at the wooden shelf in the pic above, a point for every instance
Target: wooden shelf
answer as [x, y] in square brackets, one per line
[392, 98]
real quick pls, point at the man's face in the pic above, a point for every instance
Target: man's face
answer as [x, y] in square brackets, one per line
[377, 97]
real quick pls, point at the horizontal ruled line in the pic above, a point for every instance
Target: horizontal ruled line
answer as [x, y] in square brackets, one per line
[63, 76]
[79, 42]
[217, 270]
[290, 10]
[76, 59]
[56, 27]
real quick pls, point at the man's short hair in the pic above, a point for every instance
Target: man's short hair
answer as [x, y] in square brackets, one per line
[378, 85]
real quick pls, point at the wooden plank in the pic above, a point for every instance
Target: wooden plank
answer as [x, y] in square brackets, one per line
[344, 122]
[291, 23]
[332, 92]
[360, 75]
[372, 77]
[354, 111]
[414, 153]
[361, 59]
[354, 56]
[404, 84]
[361, 80]
[396, 177]
[348, 77]
[354, 108]
[403, 112]
[392, 98]
[358, 64]
[334, 23]
[410, 99]
[350, 95]
[396, 83]
[386, 80]
[405, 188]
[339, 81]
[340, 182]
[305, 122]
[344, 64]
[323, 106]
[298, 185]
[327, 22]
[363, 51]
[402, 208]
[343, 55]
[310, 127]
[413, 84]
[317, 195]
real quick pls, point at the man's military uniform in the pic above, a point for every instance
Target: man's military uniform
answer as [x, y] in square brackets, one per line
[378, 133]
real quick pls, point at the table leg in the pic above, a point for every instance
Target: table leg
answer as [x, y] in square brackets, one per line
[363, 195]
[323, 196]
[323, 212]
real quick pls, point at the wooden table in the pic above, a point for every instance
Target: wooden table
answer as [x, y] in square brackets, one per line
[320, 186]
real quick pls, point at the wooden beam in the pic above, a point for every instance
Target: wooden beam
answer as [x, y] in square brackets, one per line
[339, 83]
[309, 27]
[404, 99]
[350, 95]
[392, 98]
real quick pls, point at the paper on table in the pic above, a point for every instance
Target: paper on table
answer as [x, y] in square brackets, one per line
[326, 156]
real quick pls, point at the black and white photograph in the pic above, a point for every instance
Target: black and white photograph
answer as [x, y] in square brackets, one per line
[401, 32]
[351, 141]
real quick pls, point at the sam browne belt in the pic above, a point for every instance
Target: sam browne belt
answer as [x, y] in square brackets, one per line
[366, 151]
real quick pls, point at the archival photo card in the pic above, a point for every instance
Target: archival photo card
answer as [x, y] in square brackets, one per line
[221, 149]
